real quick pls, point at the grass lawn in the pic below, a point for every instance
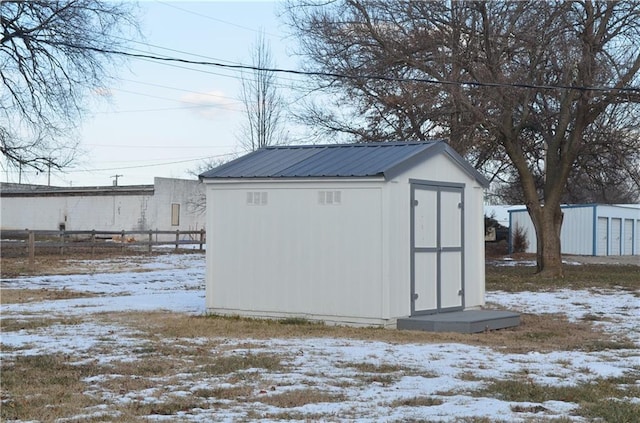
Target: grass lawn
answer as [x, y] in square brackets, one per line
[141, 366]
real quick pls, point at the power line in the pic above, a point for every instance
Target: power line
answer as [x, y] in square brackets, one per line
[196, 105]
[215, 19]
[356, 77]
[158, 146]
[151, 165]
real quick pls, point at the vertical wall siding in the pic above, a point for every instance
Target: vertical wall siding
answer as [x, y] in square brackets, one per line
[582, 235]
[295, 255]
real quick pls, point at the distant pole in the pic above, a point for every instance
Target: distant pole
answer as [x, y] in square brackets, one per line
[32, 249]
[115, 180]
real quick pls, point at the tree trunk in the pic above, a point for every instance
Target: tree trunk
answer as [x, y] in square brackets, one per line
[548, 251]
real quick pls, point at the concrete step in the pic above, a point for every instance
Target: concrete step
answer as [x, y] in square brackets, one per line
[469, 321]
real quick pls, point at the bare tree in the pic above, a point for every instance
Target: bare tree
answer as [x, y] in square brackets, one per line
[263, 104]
[48, 64]
[522, 83]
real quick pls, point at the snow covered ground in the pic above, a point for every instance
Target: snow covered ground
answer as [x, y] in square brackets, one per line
[446, 372]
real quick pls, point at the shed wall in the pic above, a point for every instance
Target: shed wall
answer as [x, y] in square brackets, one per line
[397, 196]
[303, 255]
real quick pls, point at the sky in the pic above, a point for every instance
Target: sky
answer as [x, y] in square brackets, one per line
[164, 120]
[450, 373]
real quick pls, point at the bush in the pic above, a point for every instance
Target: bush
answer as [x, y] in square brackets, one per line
[520, 243]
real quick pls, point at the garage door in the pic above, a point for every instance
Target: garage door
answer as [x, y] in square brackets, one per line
[628, 237]
[615, 236]
[603, 238]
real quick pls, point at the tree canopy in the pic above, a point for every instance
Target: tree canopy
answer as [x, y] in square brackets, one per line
[527, 89]
[49, 62]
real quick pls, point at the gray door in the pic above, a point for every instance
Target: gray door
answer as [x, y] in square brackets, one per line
[437, 277]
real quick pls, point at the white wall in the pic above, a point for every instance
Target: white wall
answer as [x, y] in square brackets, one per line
[293, 255]
[581, 234]
[185, 192]
[440, 168]
[108, 212]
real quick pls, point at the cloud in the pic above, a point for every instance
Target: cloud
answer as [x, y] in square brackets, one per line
[209, 105]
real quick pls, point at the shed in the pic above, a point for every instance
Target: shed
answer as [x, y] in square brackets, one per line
[589, 229]
[360, 234]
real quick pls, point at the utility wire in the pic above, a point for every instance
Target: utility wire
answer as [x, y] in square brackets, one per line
[152, 165]
[634, 90]
[215, 19]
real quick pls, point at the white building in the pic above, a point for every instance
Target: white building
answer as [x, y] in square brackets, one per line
[589, 229]
[168, 204]
[351, 234]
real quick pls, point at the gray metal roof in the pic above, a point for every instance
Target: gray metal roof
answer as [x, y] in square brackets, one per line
[333, 161]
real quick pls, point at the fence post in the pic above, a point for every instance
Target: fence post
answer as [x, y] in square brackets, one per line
[32, 249]
[177, 238]
[150, 241]
[93, 241]
[201, 238]
[122, 241]
[62, 237]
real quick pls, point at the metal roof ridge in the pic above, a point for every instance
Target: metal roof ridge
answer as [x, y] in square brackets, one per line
[356, 144]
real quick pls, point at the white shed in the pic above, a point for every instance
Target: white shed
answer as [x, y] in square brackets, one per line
[589, 229]
[358, 234]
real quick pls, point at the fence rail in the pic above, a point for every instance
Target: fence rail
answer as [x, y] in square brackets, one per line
[94, 239]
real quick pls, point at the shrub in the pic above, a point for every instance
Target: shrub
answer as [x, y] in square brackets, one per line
[520, 243]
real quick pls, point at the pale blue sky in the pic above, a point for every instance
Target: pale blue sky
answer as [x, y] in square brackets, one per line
[150, 117]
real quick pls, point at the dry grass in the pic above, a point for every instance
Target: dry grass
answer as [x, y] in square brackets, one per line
[177, 352]
[14, 296]
[535, 333]
[9, 324]
[416, 402]
[595, 398]
[68, 264]
[586, 276]
[44, 387]
[299, 397]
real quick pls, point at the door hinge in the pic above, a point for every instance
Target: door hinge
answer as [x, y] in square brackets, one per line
[460, 292]
[415, 296]
[415, 203]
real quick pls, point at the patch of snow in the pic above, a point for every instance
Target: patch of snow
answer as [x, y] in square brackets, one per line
[448, 372]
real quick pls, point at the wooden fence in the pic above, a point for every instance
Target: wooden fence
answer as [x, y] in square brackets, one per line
[65, 241]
